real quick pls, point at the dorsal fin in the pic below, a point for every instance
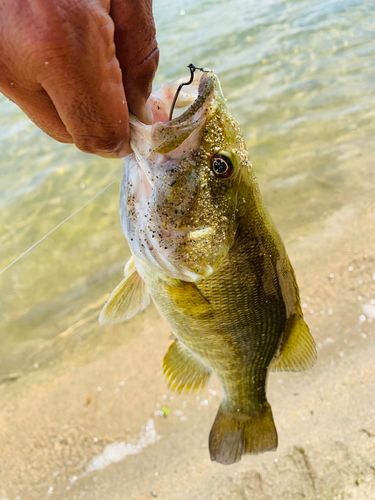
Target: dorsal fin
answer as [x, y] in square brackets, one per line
[297, 351]
[184, 372]
[128, 298]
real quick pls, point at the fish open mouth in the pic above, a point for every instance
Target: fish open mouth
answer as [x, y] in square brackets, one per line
[198, 93]
[184, 97]
[169, 135]
[195, 104]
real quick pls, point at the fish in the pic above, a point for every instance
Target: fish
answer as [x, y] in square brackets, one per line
[206, 252]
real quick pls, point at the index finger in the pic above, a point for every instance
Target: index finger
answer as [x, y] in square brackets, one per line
[84, 81]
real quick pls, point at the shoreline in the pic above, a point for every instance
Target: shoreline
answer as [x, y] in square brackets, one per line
[56, 421]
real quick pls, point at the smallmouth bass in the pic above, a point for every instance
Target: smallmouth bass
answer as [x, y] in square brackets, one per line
[206, 252]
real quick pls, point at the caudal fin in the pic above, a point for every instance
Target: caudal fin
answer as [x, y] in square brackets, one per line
[234, 434]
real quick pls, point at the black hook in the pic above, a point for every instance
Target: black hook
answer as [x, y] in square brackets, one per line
[192, 70]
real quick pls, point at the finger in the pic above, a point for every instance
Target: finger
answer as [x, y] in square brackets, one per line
[84, 83]
[136, 50]
[39, 108]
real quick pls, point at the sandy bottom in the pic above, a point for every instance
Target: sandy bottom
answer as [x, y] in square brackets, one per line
[107, 428]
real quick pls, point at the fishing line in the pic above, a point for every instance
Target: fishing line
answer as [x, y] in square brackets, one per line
[192, 69]
[54, 229]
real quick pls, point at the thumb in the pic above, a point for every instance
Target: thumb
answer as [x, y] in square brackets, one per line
[136, 51]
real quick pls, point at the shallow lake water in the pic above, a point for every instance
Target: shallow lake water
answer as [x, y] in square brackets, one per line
[298, 76]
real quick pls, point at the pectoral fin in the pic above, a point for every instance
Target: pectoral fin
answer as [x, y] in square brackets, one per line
[183, 371]
[127, 299]
[189, 300]
[298, 351]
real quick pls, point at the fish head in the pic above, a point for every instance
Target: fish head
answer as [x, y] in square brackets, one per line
[181, 186]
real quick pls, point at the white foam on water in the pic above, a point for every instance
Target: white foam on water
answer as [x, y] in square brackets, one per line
[118, 451]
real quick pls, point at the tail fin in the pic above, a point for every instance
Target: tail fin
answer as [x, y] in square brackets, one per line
[234, 434]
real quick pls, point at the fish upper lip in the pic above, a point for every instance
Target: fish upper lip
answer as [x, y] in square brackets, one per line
[168, 136]
[149, 139]
[206, 88]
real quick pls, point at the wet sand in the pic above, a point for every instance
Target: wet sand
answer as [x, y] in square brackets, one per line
[54, 423]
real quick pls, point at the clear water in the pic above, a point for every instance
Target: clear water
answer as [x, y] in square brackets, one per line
[299, 77]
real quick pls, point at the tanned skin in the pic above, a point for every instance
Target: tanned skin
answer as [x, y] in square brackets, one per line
[78, 67]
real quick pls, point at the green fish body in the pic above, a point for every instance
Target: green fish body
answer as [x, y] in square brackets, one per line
[206, 252]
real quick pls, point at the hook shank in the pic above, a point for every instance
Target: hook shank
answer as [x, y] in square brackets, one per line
[192, 69]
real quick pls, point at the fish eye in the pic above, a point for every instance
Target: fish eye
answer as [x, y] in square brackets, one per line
[221, 165]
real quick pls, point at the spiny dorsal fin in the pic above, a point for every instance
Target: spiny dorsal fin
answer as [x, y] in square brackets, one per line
[128, 298]
[298, 351]
[183, 371]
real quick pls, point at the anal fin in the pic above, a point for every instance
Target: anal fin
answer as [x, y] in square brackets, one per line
[183, 371]
[298, 351]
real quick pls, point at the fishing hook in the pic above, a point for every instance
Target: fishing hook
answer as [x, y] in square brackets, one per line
[192, 69]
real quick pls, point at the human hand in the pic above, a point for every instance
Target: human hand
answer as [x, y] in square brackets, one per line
[77, 67]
